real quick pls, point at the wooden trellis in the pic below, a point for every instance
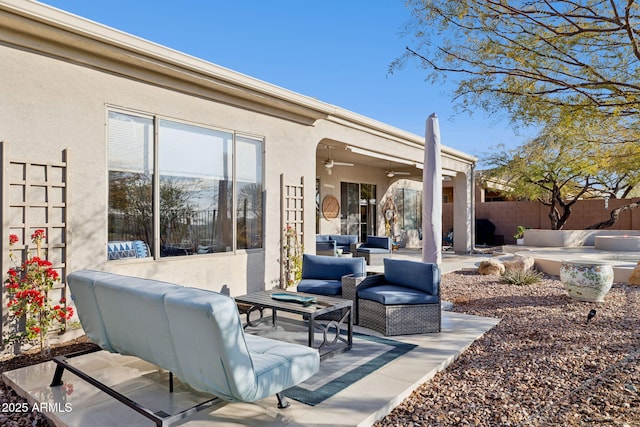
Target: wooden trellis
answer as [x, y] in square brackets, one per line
[34, 196]
[292, 219]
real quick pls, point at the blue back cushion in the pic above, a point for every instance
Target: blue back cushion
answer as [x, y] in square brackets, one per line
[378, 242]
[344, 239]
[411, 274]
[325, 267]
[322, 238]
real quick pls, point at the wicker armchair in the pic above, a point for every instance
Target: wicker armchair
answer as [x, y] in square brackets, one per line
[322, 275]
[404, 300]
[375, 249]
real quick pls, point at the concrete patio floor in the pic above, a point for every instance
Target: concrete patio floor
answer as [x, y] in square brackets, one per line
[361, 404]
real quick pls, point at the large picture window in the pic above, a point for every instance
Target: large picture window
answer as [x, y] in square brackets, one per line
[207, 181]
[130, 150]
[409, 205]
[249, 193]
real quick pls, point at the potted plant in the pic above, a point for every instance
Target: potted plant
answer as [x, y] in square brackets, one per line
[519, 236]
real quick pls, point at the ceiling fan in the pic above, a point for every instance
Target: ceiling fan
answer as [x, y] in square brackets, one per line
[329, 163]
[391, 174]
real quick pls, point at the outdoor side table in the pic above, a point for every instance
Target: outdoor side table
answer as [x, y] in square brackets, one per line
[350, 284]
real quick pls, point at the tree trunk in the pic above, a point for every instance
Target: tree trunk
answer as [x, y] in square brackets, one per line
[615, 214]
[553, 218]
[557, 219]
[566, 212]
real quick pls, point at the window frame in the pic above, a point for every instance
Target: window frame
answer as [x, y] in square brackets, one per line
[156, 141]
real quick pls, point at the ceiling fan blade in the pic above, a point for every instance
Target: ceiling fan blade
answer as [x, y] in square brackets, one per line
[391, 174]
[342, 164]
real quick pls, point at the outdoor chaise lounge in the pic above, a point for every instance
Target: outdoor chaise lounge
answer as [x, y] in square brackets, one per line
[375, 249]
[195, 334]
[403, 300]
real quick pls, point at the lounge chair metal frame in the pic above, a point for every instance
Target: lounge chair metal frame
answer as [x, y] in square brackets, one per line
[160, 418]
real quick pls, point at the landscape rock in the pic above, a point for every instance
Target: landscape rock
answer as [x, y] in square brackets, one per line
[634, 279]
[518, 263]
[491, 267]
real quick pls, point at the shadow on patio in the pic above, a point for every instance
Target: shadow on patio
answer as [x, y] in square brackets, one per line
[361, 403]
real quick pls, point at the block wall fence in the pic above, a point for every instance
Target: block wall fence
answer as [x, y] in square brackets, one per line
[507, 216]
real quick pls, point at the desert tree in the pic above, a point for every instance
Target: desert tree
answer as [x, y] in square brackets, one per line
[535, 59]
[565, 163]
[568, 63]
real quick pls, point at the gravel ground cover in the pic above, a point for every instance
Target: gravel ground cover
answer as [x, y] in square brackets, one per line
[542, 365]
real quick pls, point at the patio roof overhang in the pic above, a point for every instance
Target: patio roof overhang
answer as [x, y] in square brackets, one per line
[405, 161]
[40, 28]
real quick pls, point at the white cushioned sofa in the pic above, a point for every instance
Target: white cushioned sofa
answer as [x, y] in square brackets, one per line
[193, 333]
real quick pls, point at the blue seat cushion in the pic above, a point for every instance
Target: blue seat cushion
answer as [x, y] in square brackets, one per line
[394, 295]
[320, 286]
[328, 245]
[373, 250]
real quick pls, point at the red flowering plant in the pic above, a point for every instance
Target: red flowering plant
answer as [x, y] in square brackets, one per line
[28, 287]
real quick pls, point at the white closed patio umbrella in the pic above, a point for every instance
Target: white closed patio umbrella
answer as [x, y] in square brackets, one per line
[432, 194]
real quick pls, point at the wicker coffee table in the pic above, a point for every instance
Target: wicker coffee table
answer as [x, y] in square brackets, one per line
[328, 315]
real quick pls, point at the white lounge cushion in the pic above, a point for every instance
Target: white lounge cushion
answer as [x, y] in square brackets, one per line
[195, 334]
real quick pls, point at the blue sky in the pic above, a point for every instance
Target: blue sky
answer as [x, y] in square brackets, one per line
[337, 51]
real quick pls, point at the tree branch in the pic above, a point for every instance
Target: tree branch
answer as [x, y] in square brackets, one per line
[613, 218]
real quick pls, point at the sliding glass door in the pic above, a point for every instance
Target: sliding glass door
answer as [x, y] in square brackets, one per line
[358, 208]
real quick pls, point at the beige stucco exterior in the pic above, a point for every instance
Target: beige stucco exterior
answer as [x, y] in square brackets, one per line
[61, 73]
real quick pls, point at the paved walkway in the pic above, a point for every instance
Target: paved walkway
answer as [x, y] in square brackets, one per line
[361, 404]
[450, 260]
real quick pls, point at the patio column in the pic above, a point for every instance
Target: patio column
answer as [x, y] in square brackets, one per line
[463, 212]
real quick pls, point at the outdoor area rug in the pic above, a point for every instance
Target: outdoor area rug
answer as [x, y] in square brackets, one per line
[336, 373]
[368, 353]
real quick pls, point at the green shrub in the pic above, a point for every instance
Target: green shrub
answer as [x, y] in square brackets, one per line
[521, 278]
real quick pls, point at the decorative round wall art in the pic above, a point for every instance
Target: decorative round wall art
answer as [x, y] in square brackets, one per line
[330, 207]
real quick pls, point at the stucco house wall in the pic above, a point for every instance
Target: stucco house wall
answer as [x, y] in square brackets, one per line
[55, 105]
[62, 74]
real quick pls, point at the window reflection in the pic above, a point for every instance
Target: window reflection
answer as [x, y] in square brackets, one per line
[198, 179]
[196, 168]
[358, 210]
[130, 148]
[409, 205]
[249, 183]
